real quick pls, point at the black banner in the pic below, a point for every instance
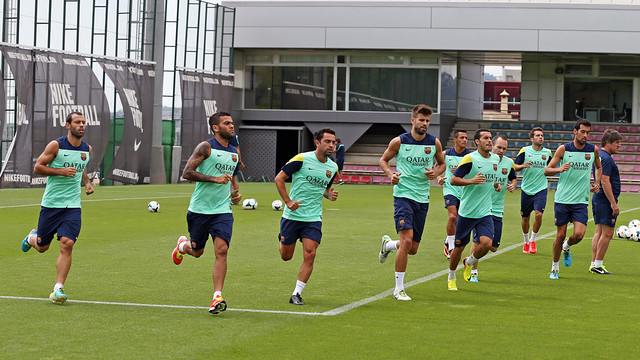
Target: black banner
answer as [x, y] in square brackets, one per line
[50, 86]
[134, 84]
[203, 94]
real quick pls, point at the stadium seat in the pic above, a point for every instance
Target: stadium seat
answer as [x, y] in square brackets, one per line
[623, 129]
[365, 179]
[599, 128]
[505, 126]
[524, 135]
[527, 127]
[547, 127]
[568, 127]
[516, 126]
[495, 126]
[553, 145]
[360, 168]
[513, 135]
[626, 167]
[627, 158]
[629, 148]
[354, 179]
[386, 180]
[636, 168]
[567, 137]
[392, 168]
[634, 129]
[634, 188]
[624, 188]
[345, 178]
[625, 177]
[637, 158]
[556, 136]
[558, 127]
[632, 139]
[617, 157]
[348, 168]
[378, 179]
[597, 138]
[634, 177]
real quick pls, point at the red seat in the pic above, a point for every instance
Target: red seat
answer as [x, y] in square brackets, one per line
[629, 148]
[624, 188]
[634, 129]
[348, 168]
[617, 157]
[626, 167]
[623, 129]
[633, 177]
[365, 179]
[625, 177]
[345, 178]
[378, 179]
[386, 180]
[636, 168]
[599, 128]
[632, 139]
[354, 179]
[627, 158]
[634, 188]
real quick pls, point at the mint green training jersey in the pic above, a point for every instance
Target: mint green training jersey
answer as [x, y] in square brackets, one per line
[477, 199]
[64, 191]
[452, 159]
[574, 185]
[503, 175]
[210, 198]
[533, 179]
[309, 179]
[412, 159]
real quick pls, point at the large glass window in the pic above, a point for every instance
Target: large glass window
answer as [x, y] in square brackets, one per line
[392, 89]
[289, 87]
[599, 100]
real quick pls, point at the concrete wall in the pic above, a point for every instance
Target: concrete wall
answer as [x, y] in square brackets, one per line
[539, 27]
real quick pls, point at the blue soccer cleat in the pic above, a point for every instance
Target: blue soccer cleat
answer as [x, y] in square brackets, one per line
[25, 243]
[566, 257]
[554, 275]
[58, 296]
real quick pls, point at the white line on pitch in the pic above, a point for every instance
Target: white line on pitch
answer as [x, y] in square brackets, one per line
[161, 305]
[93, 200]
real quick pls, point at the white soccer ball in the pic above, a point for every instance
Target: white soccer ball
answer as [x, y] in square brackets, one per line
[276, 205]
[634, 234]
[153, 206]
[635, 223]
[623, 232]
[249, 204]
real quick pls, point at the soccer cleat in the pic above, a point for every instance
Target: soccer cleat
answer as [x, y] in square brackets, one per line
[600, 270]
[447, 253]
[177, 255]
[591, 267]
[217, 305]
[296, 299]
[401, 295]
[384, 253]
[58, 296]
[554, 275]
[525, 248]
[467, 270]
[474, 278]
[451, 284]
[532, 247]
[566, 257]
[25, 243]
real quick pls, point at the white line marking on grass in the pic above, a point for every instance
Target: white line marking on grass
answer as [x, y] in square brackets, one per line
[93, 200]
[336, 311]
[162, 305]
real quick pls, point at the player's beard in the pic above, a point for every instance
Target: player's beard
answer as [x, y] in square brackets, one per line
[227, 135]
[75, 133]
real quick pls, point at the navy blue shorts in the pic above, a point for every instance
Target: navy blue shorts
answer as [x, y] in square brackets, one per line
[450, 200]
[410, 214]
[528, 203]
[602, 214]
[483, 227]
[66, 222]
[497, 232]
[292, 230]
[566, 213]
[202, 225]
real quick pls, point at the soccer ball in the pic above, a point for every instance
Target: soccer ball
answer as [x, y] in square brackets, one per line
[634, 234]
[623, 232]
[276, 205]
[153, 206]
[635, 223]
[249, 204]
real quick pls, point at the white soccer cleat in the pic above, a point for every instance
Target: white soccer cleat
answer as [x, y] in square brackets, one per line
[384, 253]
[401, 295]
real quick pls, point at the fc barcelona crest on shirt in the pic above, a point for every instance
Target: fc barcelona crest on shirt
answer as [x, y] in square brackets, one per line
[504, 171]
[427, 150]
[495, 167]
[234, 157]
[329, 174]
[587, 156]
[83, 156]
[544, 157]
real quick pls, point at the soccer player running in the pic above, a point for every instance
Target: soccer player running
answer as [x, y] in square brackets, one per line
[605, 202]
[414, 152]
[340, 159]
[572, 196]
[474, 173]
[214, 167]
[63, 161]
[312, 175]
[506, 177]
[532, 160]
[452, 193]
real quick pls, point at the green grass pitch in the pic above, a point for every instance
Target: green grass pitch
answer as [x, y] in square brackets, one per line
[123, 255]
